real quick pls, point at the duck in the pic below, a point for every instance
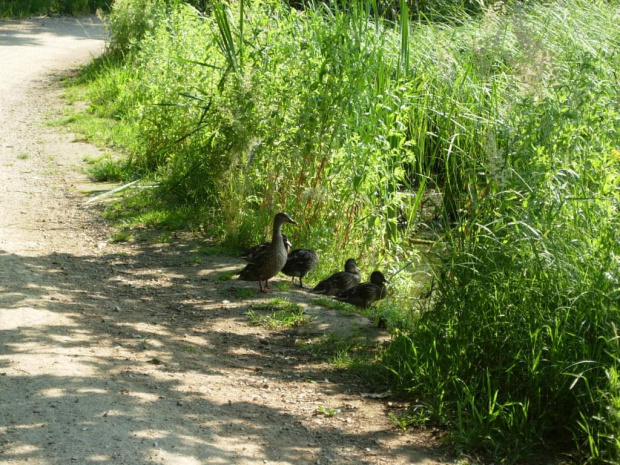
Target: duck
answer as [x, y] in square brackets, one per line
[340, 281]
[249, 253]
[365, 294]
[268, 262]
[299, 263]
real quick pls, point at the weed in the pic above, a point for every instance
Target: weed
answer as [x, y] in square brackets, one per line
[284, 314]
[194, 260]
[121, 236]
[245, 293]
[281, 286]
[334, 304]
[327, 411]
[225, 276]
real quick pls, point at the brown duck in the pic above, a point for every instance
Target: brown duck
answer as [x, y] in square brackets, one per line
[340, 281]
[363, 295]
[299, 263]
[249, 253]
[268, 262]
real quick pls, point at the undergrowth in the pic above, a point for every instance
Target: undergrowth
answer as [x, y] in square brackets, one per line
[495, 135]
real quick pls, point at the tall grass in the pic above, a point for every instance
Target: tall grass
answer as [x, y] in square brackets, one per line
[322, 112]
[519, 347]
[500, 131]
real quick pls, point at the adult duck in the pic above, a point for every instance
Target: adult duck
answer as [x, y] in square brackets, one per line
[365, 294]
[340, 281]
[268, 262]
[299, 263]
[249, 253]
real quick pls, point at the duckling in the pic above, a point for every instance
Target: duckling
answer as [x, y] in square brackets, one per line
[299, 263]
[268, 262]
[340, 281]
[249, 253]
[363, 295]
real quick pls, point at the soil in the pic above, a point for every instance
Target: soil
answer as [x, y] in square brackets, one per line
[136, 353]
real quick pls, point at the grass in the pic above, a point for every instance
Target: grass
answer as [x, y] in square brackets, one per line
[353, 352]
[509, 120]
[245, 293]
[106, 169]
[194, 260]
[327, 411]
[121, 236]
[281, 286]
[23, 156]
[225, 276]
[284, 314]
[333, 304]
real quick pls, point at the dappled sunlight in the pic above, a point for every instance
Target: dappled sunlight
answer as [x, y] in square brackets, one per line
[54, 392]
[97, 458]
[27, 317]
[169, 457]
[123, 366]
[144, 397]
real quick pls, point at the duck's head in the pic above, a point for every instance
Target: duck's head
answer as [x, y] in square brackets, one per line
[282, 218]
[350, 266]
[377, 278]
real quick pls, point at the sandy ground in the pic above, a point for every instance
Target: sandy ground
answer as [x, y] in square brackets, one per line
[137, 353]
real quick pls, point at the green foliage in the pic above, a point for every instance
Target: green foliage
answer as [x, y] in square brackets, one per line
[244, 293]
[225, 276]
[131, 20]
[519, 347]
[500, 132]
[105, 168]
[284, 314]
[267, 126]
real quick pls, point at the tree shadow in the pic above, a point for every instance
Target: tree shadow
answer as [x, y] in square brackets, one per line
[140, 354]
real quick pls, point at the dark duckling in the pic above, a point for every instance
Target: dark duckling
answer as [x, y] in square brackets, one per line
[363, 295]
[299, 263]
[340, 281]
[268, 262]
[249, 253]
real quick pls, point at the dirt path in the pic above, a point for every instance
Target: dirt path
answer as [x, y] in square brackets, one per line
[138, 354]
